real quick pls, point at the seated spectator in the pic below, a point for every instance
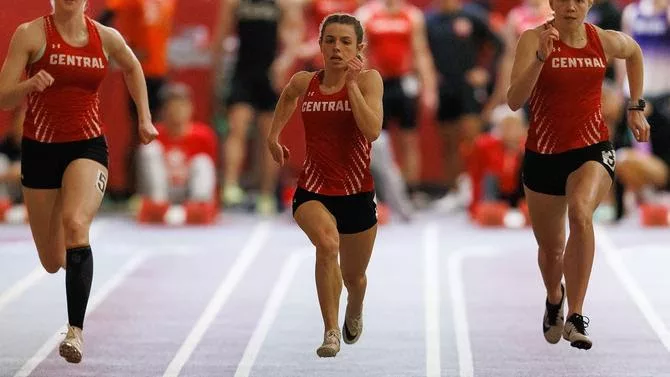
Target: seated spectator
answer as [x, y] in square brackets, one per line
[10, 169]
[179, 167]
[494, 163]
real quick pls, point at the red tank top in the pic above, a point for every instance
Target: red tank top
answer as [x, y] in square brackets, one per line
[389, 38]
[68, 110]
[337, 158]
[565, 103]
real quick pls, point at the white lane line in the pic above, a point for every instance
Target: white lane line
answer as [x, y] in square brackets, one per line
[255, 242]
[459, 305]
[431, 297]
[21, 286]
[615, 261]
[270, 312]
[34, 276]
[96, 300]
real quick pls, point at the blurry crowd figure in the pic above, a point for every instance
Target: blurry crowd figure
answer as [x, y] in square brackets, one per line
[457, 39]
[269, 33]
[146, 25]
[494, 165]
[447, 64]
[179, 167]
[10, 159]
[397, 48]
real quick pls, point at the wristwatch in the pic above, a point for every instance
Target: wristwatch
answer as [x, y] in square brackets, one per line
[639, 106]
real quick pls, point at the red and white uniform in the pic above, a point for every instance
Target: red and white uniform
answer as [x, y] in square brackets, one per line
[389, 36]
[337, 159]
[178, 152]
[565, 103]
[68, 110]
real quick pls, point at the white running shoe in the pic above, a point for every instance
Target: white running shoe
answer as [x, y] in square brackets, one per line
[352, 329]
[575, 331]
[72, 347]
[331, 344]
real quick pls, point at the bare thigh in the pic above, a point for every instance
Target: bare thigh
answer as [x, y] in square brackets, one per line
[318, 224]
[84, 184]
[547, 216]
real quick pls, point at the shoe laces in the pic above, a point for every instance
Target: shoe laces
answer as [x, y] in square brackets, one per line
[580, 322]
[332, 336]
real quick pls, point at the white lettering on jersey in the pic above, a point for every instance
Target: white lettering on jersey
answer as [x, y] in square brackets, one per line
[76, 61]
[310, 106]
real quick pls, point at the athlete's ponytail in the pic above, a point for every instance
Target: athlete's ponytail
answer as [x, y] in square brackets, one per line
[345, 19]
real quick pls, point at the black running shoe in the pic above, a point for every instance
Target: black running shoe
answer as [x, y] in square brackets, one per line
[575, 331]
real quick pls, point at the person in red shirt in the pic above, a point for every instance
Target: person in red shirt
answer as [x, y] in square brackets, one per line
[315, 11]
[397, 48]
[569, 161]
[64, 153]
[334, 204]
[494, 164]
[180, 166]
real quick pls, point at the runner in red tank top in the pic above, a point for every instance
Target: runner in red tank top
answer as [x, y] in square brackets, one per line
[569, 164]
[334, 204]
[64, 152]
[397, 47]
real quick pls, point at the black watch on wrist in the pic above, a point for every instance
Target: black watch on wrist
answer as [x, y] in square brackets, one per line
[639, 106]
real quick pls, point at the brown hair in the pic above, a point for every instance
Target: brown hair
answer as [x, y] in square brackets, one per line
[345, 19]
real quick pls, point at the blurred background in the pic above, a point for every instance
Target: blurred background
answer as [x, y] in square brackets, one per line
[454, 151]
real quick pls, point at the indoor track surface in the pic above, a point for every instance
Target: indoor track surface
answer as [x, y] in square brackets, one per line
[445, 298]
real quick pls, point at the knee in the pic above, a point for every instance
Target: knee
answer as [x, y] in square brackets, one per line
[551, 251]
[353, 280]
[580, 216]
[51, 267]
[327, 245]
[52, 264]
[75, 227]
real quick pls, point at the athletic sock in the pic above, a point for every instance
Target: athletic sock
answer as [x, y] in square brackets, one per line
[78, 279]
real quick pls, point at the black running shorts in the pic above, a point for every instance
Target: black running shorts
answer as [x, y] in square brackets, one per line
[353, 213]
[548, 173]
[43, 164]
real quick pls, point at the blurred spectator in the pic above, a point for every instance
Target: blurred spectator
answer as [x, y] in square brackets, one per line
[456, 39]
[648, 22]
[398, 49]
[10, 158]
[180, 165]
[315, 11]
[146, 26]
[639, 169]
[269, 33]
[494, 166]
[528, 15]
[606, 15]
